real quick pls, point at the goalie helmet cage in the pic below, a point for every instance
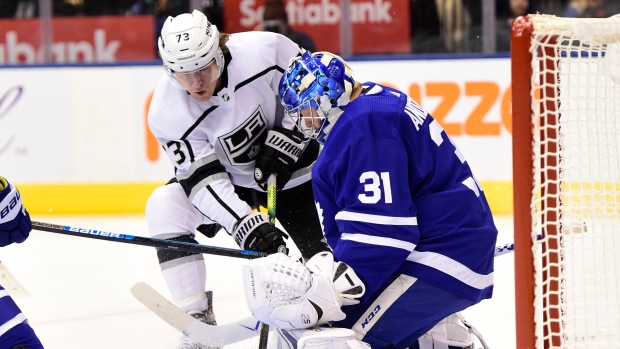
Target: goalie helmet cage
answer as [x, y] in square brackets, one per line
[566, 181]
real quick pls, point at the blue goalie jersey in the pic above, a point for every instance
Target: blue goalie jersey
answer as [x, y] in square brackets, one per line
[395, 195]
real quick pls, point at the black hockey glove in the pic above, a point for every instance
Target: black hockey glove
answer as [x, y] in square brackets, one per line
[278, 155]
[254, 232]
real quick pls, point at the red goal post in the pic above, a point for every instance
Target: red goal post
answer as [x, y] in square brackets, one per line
[566, 181]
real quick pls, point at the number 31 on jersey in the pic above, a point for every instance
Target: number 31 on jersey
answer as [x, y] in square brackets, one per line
[376, 187]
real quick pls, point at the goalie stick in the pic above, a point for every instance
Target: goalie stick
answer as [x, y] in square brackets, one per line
[10, 283]
[215, 335]
[212, 336]
[507, 248]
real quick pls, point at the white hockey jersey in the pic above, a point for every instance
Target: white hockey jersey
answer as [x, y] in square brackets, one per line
[213, 144]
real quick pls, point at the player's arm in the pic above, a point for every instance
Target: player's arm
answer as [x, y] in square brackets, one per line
[15, 224]
[208, 186]
[287, 294]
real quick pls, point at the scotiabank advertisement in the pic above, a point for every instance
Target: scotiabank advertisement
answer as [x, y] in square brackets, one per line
[377, 26]
[79, 40]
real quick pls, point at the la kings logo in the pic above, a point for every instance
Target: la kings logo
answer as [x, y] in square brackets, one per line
[241, 145]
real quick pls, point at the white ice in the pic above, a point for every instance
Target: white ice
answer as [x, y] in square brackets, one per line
[80, 288]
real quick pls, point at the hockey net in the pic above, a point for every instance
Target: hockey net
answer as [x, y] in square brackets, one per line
[566, 166]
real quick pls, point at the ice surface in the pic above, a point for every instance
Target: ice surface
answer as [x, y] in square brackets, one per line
[80, 288]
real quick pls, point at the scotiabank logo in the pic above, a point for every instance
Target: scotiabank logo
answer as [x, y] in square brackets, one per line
[101, 39]
[99, 50]
[325, 12]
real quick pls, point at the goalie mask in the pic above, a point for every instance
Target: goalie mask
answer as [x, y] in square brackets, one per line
[189, 47]
[322, 81]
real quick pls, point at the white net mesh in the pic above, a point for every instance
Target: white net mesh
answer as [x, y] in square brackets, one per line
[576, 198]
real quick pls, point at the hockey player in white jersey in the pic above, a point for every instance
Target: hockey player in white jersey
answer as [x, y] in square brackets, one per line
[15, 227]
[410, 228]
[216, 113]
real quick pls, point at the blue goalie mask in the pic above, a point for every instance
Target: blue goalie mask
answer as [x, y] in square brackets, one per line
[321, 81]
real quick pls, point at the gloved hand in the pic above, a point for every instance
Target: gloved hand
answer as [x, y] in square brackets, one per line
[278, 155]
[254, 232]
[15, 224]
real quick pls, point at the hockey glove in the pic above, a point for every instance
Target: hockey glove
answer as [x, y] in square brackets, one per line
[15, 224]
[285, 293]
[254, 232]
[278, 155]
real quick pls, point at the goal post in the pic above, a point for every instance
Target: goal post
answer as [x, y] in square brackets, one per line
[566, 181]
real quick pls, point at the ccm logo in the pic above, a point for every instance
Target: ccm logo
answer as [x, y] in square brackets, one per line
[371, 316]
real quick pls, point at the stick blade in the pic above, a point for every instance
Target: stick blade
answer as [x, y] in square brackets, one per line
[212, 336]
[159, 305]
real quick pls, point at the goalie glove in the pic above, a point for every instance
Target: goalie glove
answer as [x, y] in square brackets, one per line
[284, 293]
[278, 155]
[15, 223]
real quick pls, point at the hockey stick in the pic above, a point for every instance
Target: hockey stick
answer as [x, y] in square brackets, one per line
[271, 211]
[507, 248]
[212, 336]
[271, 198]
[144, 241]
[10, 283]
[222, 334]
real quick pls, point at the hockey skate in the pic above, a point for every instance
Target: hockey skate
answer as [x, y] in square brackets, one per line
[208, 318]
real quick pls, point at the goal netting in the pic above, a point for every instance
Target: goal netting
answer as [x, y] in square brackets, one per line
[566, 159]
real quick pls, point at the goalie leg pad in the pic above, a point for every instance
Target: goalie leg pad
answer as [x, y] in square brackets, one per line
[447, 334]
[320, 338]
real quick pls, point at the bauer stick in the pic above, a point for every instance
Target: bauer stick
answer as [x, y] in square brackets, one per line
[144, 241]
[183, 246]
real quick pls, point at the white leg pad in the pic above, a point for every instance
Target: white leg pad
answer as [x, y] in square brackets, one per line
[321, 338]
[446, 333]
